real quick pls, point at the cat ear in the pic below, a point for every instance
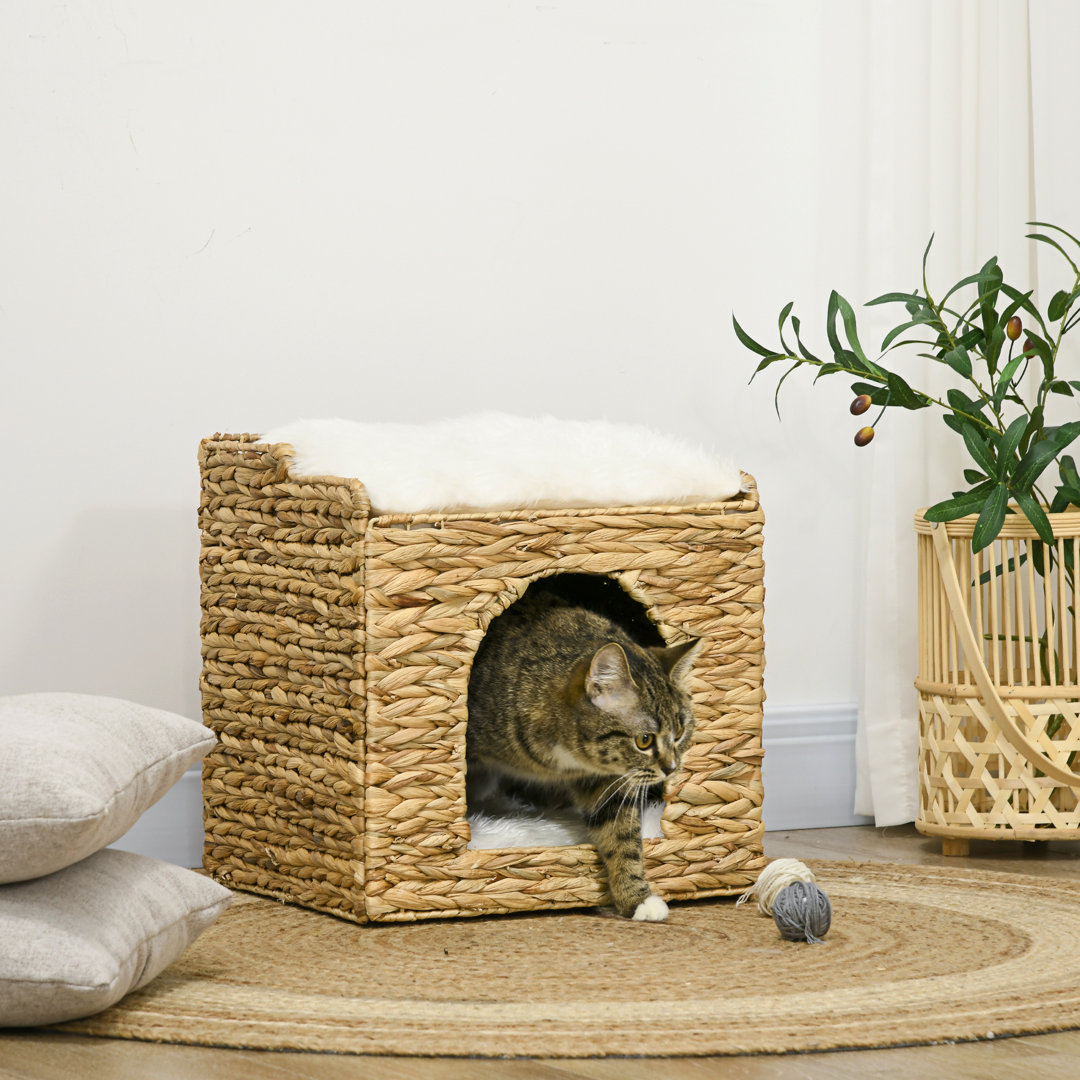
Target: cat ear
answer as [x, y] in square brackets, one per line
[677, 660]
[609, 678]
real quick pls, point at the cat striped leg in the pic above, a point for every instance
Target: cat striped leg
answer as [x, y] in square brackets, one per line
[615, 826]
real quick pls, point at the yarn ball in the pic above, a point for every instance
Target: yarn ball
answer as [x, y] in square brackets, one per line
[802, 912]
[778, 875]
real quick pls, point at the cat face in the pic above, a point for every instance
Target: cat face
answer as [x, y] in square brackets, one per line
[633, 711]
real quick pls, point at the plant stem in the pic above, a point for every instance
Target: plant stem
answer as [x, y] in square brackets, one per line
[873, 378]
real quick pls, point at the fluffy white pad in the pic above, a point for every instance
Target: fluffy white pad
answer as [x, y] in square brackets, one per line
[495, 461]
[529, 828]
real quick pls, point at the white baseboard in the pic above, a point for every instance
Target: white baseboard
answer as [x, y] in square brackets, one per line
[809, 784]
[809, 767]
[172, 829]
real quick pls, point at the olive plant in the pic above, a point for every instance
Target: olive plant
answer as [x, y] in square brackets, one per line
[973, 330]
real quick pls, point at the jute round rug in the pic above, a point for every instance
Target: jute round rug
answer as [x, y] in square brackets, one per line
[915, 955]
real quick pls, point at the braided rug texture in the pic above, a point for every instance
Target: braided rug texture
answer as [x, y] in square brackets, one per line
[713, 979]
[336, 653]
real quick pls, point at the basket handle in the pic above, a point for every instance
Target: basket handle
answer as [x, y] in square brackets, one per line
[973, 655]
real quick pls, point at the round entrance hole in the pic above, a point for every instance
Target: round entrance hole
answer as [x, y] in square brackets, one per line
[518, 816]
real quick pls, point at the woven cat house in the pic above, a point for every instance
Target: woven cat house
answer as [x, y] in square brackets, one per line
[337, 646]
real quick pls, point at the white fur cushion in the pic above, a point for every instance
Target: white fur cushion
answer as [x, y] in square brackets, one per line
[528, 827]
[75, 942]
[494, 461]
[77, 771]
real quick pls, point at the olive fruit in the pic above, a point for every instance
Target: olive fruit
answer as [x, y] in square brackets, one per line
[860, 405]
[1013, 327]
[1029, 346]
[863, 436]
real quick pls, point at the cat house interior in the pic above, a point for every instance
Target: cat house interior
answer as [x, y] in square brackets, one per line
[512, 812]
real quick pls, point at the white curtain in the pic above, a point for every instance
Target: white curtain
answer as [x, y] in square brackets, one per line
[949, 139]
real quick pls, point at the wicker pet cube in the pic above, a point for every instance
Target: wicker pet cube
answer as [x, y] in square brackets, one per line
[336, 654]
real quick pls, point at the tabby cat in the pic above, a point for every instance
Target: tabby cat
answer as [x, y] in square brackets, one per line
[565, 702]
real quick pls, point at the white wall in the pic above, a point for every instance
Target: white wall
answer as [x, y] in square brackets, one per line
[218, 217]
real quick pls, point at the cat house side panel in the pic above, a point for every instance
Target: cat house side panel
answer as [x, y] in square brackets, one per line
[282, 569]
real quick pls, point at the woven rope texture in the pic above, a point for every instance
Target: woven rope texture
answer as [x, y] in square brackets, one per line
[337, 650]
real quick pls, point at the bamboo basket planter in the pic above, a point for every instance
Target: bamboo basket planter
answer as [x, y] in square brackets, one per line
[999, 700]
[336, 653]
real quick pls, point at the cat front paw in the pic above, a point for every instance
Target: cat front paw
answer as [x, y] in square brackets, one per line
[651, 909]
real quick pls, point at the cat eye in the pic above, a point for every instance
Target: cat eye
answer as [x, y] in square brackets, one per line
[643, 742]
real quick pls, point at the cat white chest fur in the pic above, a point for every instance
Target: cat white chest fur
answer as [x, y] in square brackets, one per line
[564, 760]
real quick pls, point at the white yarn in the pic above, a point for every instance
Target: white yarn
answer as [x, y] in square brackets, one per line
[779, 874]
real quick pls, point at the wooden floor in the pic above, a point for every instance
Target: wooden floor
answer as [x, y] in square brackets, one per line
[30, 1056]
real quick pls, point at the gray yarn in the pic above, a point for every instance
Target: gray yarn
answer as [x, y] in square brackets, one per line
[802, 912]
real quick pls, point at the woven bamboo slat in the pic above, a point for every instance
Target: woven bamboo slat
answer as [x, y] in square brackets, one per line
[336, 655]
[999, 700]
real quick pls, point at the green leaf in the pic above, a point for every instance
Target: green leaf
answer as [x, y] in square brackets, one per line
[1035, 514]
[1011, 309]
[973, 476]
[766, 362]
[959, 506]
[1023, 300]
[896, 298]
[991, 518]
[830, 323]
[798, 340]
[1033, 428]
[1032, 464]
[783, 318]
[1005, 379]
[749, 342]
[925, 256]
[827, 369]
[959, 361]
[1043, 238]
[997, 339]
[851, 361]
[1009, 443]
[1063, 434]
[977, 447]
[1059, 304]
[878, 394]
[1041, 453]
[901, 394]
[1012, 565]
[1066, 496]
[1060, 386]
[980, 277]
[1067, 469]
[962, 403]
[848, 315]
[783, 378]
[1056, 228]
[896, 331]
[972, 339]
[990, 278]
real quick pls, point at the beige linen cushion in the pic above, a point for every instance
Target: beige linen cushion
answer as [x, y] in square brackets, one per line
[75, 942]
[77, 771]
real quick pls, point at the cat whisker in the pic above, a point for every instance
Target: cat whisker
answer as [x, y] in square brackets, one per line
[635, 792]
[621, 782]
